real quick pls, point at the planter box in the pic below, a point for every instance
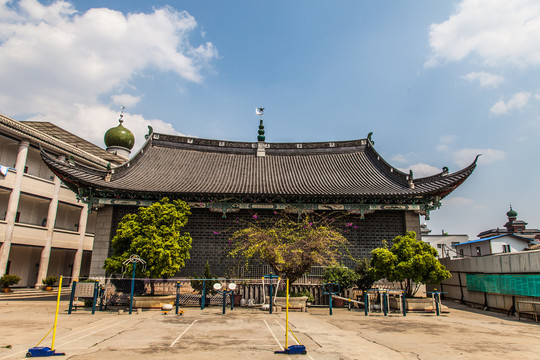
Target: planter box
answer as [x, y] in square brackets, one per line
[414, 304]
[152, 302]
[295, 303]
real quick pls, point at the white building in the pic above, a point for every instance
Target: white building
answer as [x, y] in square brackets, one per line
[442, 243]
[493, 245]
[44, 229]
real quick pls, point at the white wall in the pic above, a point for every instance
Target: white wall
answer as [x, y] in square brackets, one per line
[515, 244]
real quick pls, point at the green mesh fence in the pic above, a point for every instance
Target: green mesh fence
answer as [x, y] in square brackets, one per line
[524, 285]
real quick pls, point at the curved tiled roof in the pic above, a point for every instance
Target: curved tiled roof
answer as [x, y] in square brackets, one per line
[178, 165]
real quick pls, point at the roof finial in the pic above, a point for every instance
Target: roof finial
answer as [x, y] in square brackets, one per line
[260, 111]
[121, 120]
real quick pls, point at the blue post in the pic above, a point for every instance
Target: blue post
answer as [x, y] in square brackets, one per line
[271, 289]
[94, 300]
[177, 296]
[330, 297]
[203, 299]
[437, 309]
[72, 297]
[132, 288]
[385, 303]
[366, 303]
[404, 304]
[224, 300]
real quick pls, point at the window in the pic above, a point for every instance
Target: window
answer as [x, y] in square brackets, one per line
[506, 248]
[478, 251]
[454, 243]
[439, 246]
[461, 253]
[17, 216]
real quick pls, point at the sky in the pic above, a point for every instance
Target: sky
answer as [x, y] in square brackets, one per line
[437, 82]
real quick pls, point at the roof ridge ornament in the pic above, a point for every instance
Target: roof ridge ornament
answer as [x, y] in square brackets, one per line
[260, 111]
[261, 148]
[369, 138]
[411, 182]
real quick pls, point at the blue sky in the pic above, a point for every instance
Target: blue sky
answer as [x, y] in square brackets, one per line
[437, 82]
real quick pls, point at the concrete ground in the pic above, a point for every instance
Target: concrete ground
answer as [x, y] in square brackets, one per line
[245, 333]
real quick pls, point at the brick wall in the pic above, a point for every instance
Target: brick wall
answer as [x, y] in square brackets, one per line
[210, 233]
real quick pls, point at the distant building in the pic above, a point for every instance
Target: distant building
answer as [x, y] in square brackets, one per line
[512, 226]
[44, 229]
[442, 243]
[493, 245]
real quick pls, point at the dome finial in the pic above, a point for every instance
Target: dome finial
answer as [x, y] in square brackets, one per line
[119, 140]
[512, 214]
[121, 120]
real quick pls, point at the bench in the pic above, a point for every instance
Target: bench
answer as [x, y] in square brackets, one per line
[528, 307]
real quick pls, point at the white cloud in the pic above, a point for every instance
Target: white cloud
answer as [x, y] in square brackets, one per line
[58, 62]
[422, 170]
[125, 99]
[485, 79]
[466, 156]
[445, 141]
[457, 201]
[402, 158]
[517, 101]
[497, 32]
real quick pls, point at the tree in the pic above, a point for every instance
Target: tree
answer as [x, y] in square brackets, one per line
[290, 247]
[409, 261]
[365, 276]
[153, 233]
[341, 275]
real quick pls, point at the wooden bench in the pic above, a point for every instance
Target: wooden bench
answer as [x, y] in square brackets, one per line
[528, 307]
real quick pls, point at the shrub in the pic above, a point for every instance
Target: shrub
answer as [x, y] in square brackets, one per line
[341, 275]
[7, 280]
[49, 280]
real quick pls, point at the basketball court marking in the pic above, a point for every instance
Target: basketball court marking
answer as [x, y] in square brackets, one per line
[179, 336]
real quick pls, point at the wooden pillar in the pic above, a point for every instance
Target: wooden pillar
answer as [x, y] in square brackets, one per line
[13, 204]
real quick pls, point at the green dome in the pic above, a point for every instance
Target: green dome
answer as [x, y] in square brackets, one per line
[119, 136]
[512, 213]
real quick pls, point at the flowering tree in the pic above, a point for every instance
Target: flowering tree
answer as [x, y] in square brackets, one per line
[290, 247]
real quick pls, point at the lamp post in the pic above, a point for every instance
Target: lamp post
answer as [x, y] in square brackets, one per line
[133, 259]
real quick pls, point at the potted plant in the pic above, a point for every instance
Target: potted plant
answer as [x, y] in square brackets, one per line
[49, 282]
[7, 280]
[343, 276]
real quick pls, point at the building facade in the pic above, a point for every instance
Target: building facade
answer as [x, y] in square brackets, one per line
[44, 229]
[227, 183]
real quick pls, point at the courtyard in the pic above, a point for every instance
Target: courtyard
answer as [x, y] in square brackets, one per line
[249, 333]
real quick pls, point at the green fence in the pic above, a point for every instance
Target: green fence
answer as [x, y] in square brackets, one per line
[524, 285]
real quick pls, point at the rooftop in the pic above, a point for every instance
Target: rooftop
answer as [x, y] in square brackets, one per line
[169, 165]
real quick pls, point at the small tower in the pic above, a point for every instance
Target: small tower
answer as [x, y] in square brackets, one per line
[513, 225]
[261, 146]
[119, 140]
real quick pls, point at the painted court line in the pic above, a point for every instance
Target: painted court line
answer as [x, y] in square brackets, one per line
[275, 338]
[69, 342]
[292, 337]
[179, 336]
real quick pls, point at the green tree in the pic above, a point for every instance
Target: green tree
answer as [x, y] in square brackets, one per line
[155, 234]
[290, 247]
[410, 262]
[341, 275]
[365, 275]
